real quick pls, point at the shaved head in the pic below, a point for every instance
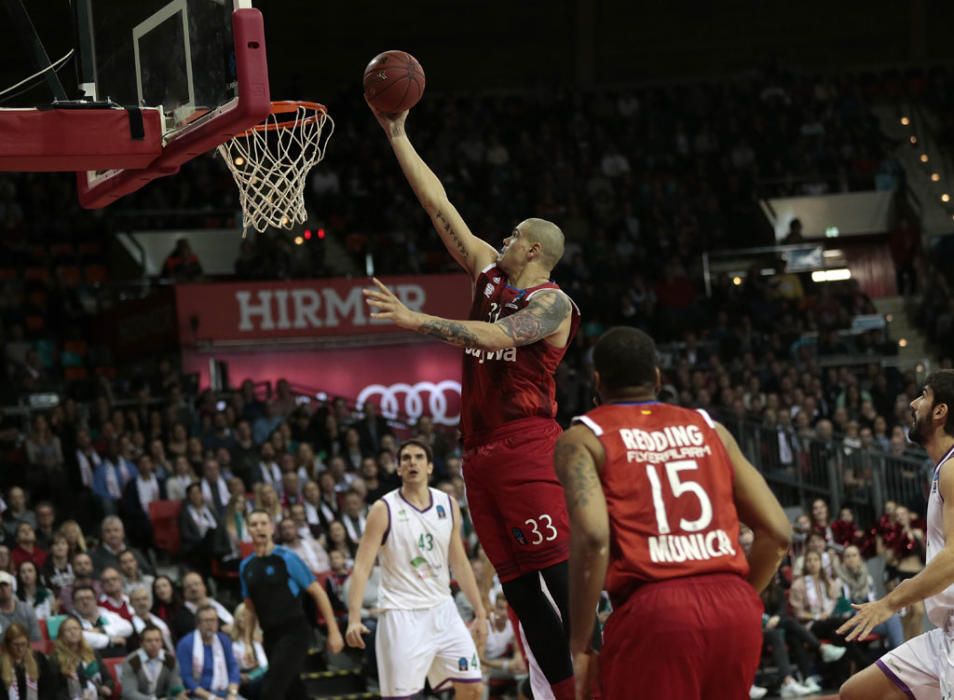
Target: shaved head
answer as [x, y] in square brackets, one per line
[548, 235]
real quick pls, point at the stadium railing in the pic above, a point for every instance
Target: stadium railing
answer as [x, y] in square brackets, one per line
[801, 468]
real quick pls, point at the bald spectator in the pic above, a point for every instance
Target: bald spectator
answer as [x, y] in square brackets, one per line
[113, 543]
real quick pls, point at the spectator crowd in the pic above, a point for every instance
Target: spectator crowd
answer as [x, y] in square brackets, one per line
[125, 500]
[833, 564]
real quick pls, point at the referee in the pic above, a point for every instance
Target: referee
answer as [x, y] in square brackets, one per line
[273, 579]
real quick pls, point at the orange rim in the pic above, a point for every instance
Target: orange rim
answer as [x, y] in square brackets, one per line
[290, 107]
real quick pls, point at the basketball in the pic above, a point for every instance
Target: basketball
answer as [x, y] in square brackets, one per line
[393, 81]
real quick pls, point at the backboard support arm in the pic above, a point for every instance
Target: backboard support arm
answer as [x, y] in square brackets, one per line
[86, 48]
[20, 19]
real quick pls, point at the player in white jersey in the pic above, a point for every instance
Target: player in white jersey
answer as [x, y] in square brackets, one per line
[924, 666]
[420, 635]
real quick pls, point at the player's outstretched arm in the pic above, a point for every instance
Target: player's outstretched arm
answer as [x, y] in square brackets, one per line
[464, 573]
[547, 314]
[577, 454]
[371, 540]
[931, 580]
[760, 510]
[470, 252]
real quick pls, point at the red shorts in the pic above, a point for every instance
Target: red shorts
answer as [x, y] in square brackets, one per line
[693, 638]
[515, 500]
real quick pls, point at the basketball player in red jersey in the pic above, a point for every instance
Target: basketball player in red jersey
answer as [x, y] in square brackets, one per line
[520, 326]
[655, 494]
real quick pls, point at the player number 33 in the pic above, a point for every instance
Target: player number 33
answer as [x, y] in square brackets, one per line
[547, 527]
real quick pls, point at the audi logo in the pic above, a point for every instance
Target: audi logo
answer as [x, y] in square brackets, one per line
[408, 400]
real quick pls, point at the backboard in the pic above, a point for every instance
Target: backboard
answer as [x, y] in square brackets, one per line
[201, 62]
[177, 54]
[160, 82]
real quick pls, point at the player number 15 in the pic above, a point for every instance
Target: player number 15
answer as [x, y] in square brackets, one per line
[679, 487]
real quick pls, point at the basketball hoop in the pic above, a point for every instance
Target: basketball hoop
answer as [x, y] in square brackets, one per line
[271, 161]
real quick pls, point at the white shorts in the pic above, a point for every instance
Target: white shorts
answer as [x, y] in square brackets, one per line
[416, 644]
[923, 668]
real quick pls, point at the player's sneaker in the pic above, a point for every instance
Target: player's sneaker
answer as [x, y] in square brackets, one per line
[831, 653]
[793, 689]
[755, 692]
[812, 684]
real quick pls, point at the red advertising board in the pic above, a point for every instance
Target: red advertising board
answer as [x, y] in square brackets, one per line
[267, 311]
[405, 380]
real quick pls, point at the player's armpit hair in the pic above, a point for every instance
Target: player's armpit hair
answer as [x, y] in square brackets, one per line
[574, 467]
[540, 319]
[450, 332]
[444, 225]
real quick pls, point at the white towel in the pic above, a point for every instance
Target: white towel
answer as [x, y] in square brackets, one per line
[223, 493]
[220, 672]
[87, 465]
[112, 482]
[354, 529]
[203, 519]
[816, 606]
[32, 689]
[148, 491]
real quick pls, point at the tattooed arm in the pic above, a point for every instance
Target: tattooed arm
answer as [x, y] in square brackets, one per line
[470, 252]
[578, 452]
[544, 316]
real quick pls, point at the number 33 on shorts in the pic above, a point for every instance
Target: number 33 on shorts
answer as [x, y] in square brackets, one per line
[541, 530]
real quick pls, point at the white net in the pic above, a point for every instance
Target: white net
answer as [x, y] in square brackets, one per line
[271, 161]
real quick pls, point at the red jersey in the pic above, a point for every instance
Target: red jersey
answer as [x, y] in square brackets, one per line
[507, 385]
[668, 484]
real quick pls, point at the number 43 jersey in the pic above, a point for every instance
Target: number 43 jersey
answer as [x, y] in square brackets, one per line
[668, 483]
[414, 554]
